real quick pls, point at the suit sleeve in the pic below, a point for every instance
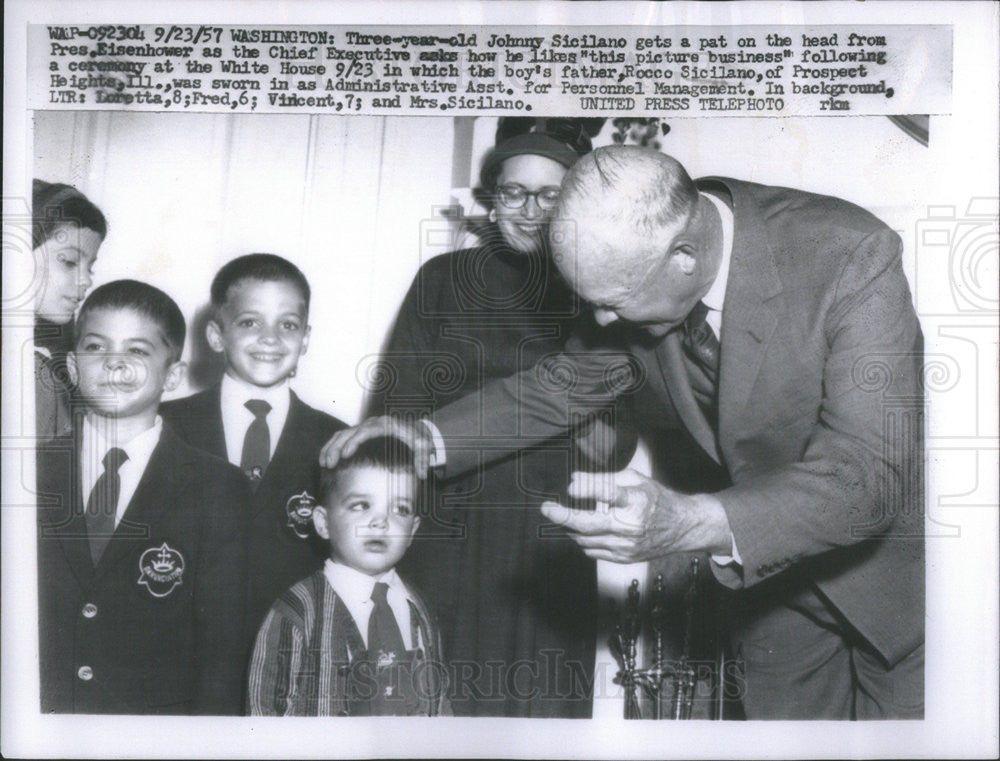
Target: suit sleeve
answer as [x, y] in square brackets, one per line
[860, 475]
[220, 596]
[577, 390]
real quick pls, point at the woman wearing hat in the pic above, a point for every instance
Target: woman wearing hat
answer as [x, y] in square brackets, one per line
[515, 597]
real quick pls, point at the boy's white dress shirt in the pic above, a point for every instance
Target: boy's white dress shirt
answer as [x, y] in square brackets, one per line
[98, 437]
[355, 589]
[236, 418]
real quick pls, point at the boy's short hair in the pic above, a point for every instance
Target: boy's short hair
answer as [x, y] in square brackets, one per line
[267, 268]
[150, 302]
[383, 452]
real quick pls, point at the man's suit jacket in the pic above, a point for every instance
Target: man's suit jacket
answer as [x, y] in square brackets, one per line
[820, 408]
[282, 546]
[155, 627]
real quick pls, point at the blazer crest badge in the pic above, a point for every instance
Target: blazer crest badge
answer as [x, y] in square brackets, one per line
[161, 570]
[299, 510]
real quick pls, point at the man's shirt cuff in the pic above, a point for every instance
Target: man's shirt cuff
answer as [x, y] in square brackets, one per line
[730, 559]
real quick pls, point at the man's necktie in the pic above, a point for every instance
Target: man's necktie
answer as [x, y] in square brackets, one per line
[102, 505]
[383, 631]
[702, 350]
[700, 342]
[257, 442]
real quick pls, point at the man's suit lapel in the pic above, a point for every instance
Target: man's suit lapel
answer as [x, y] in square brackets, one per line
[749, 314]
[669, 354]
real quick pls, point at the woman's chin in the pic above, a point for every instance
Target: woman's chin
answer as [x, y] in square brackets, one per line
[523, 244]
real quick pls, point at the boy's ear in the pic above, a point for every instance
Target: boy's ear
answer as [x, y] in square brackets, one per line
[175, 374]
[72, 369]
[305, 339]
[413, 531]
[319, 521]
[213, 334]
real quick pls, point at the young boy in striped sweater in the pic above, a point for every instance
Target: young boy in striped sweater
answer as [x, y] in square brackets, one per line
[353, 639]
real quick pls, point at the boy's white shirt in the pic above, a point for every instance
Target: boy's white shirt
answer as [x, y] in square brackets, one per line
[236, 418]
[355, 589]
[98, 437]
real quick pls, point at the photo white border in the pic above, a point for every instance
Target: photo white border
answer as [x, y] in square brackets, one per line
[962, 595]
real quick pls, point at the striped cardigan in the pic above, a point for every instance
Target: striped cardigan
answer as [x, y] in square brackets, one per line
[306, 645]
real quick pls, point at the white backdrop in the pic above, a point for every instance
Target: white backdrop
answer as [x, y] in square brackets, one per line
[352, 200]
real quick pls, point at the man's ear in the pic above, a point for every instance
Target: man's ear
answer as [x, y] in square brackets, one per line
[72, 369]
[682, 257]
[319, 521]
[175, 374]
[213, 334]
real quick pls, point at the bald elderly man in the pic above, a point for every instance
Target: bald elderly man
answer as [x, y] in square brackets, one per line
[772, 332]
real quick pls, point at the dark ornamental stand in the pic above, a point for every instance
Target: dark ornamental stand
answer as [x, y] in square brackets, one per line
[657, 680]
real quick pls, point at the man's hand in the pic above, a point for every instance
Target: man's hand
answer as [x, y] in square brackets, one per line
[415, 436]
[638, 519]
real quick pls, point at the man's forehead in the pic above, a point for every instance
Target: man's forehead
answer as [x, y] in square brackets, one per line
[601, 258]
[600, 286]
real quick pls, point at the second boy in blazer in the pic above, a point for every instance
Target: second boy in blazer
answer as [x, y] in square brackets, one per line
[260, 325]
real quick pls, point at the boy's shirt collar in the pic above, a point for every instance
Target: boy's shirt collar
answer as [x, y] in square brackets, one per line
[354, 588]
[97, 438]
[236, 418]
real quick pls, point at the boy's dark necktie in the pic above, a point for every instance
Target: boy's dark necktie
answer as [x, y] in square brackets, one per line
[257, 442]
[702, 350]
[102, 505]
[385, 682]
[383, 631]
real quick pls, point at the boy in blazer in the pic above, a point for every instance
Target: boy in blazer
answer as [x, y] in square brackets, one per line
[353, 639]
[252, 418]
[141, 549]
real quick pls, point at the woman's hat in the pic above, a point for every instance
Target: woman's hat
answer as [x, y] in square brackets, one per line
[562, 140]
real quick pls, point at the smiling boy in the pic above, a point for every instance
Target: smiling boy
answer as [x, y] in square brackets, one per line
[260, 326]
[353, 639]
[141, 551]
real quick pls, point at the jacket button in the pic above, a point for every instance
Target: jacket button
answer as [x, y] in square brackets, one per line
[86, 673]
[89, 610]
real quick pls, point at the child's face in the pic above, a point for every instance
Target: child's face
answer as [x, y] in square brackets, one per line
[67, 260]
[262, 330]
[370, 518]
[122, 363]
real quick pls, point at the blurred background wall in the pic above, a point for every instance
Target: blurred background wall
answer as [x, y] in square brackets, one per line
[360, 202]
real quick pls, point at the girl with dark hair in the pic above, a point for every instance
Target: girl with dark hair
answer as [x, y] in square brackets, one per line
[67, 230]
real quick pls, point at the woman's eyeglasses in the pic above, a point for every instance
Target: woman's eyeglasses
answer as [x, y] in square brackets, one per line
[515, 196]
